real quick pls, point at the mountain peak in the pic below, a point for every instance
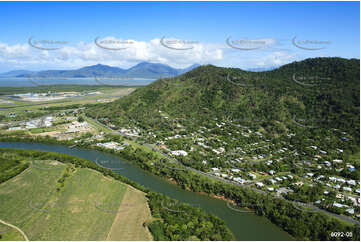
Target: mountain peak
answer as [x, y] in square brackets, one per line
[98, 65]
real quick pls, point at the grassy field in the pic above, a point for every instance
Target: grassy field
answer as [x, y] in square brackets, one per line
[96, 125]
[9, 234]
[134, 206]
[88, 207]
[107, 93]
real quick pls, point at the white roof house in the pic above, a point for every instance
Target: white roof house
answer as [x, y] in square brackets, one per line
[179, 152]
[337, 161]
[338, 205]
[238, 179]
[253, 176]
[354, 200]
[340, 195]
[216, 151]
[111, 145]
[320, 177]
[350, 210]
[15, 128]
[347, 189]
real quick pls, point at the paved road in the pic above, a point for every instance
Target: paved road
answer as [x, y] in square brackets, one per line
[153, 147]
[113, 131]
[14, 227]
[340, 216]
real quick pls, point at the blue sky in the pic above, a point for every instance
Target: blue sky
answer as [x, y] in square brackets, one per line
[334, 26]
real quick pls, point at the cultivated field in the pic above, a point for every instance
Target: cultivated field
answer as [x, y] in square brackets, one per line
[9, 234]
[133, 212]
[88, 206]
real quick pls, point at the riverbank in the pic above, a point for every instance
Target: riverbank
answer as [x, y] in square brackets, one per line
[245, 226]
[266, 206]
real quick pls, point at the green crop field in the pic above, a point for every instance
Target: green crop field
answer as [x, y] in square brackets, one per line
[9, 234]
[55, 201]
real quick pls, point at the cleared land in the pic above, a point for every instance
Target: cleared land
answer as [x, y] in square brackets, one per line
[19, 105]
[87, 207]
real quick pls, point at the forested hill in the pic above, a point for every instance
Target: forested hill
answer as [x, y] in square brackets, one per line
[324, 90]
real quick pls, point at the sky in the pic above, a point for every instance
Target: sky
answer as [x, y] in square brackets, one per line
[69, 35]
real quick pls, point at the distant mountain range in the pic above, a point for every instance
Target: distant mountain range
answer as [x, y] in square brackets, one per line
[141, 70]
[16, 73]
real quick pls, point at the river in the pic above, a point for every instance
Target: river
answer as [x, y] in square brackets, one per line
[244, 225]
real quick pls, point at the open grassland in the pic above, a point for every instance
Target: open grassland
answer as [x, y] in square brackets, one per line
[54, 201]
[19, 105]
[96, 125]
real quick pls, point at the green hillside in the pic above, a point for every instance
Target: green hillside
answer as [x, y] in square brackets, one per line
[321, 90]
[314, 102]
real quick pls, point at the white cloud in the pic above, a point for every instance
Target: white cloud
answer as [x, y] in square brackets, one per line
[276, 58]
[83, 54]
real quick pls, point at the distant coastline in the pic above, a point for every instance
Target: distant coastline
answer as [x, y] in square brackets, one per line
[30, 82]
